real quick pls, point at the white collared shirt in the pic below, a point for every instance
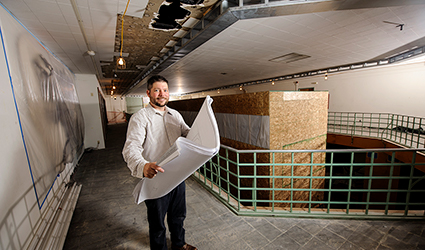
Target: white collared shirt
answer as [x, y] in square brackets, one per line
[149, 135]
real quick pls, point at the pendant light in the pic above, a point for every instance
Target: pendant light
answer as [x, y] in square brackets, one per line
[121, 62]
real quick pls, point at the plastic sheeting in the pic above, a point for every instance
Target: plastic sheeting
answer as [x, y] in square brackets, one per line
[47, 105]
[250, 129]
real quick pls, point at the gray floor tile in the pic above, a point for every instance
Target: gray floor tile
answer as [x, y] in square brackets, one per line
[363, 241]
[313, 226]
[316, 244]
[299, 235]
[349, 245]
[268, 230]
[394, 243]
[330, 238]
[340, 229]
[284, 241]
[255, 240]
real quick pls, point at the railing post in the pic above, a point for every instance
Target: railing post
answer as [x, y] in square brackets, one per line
[292, 182]
[311, 182]
[390, 181]
[254, 193]
[330, 182]
[350, 181]
[369, 185]
[409, 189]
[273, 180]
[239, 181]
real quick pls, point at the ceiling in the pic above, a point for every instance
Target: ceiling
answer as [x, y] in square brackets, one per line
[218, 46]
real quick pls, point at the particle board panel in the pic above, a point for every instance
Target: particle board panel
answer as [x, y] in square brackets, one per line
[285, 172]
[297, 116]
[244, 104]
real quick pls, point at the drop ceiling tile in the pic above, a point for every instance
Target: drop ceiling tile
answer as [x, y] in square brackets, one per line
[360, 26]
[57, 27]
[350, 20]
[334, 16]
[370, 13]
[103, 6]
[62, 35]
[66, 9]
[82, 3]
[43, 7]
[314, 22]
[51, 18]
[33, 24]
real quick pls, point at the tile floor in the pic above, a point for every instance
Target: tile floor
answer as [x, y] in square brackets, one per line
[106, 217]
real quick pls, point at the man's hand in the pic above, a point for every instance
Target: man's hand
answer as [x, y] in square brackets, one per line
[151, 169]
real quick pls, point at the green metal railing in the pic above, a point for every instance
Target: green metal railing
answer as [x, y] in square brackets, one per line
[355, 183]
[405, 130]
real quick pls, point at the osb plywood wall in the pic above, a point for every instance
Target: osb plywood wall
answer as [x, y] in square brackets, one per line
[244, 104]
[298, 120]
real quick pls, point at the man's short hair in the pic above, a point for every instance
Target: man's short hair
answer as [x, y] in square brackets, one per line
[154, 79]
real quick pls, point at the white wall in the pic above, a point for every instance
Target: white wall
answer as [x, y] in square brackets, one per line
[115, 107]
[397, 88]
[87, 89]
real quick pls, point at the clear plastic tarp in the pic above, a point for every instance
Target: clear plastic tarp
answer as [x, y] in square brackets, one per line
[47, 104]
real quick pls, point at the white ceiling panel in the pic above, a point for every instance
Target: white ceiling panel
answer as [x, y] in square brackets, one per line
[330, 38]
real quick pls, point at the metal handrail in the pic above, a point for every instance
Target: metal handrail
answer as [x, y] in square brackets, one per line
[379, 186]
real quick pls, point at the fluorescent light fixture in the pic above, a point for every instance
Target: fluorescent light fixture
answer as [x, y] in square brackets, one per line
[190, 22]
[180, 33]
[288, 58]
[164, 50]
[171, 43]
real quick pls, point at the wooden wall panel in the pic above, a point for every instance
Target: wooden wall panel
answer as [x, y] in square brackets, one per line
[297, 116]
[244, 104]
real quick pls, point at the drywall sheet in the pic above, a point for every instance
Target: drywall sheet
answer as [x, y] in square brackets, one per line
[47, 105]
[202, 143]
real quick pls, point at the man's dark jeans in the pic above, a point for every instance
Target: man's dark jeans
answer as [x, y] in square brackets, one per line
[174, 205]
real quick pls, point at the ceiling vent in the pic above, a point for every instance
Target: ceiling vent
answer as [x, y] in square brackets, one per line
[288, 58]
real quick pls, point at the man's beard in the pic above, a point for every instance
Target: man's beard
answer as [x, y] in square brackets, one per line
[160, 105]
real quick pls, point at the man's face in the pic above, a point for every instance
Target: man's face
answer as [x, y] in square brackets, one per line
[158, 95]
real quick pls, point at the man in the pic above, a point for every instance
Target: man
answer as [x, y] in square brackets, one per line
[151, 131]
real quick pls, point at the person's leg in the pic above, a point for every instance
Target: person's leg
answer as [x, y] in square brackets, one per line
[177, 214]
[157, 208]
